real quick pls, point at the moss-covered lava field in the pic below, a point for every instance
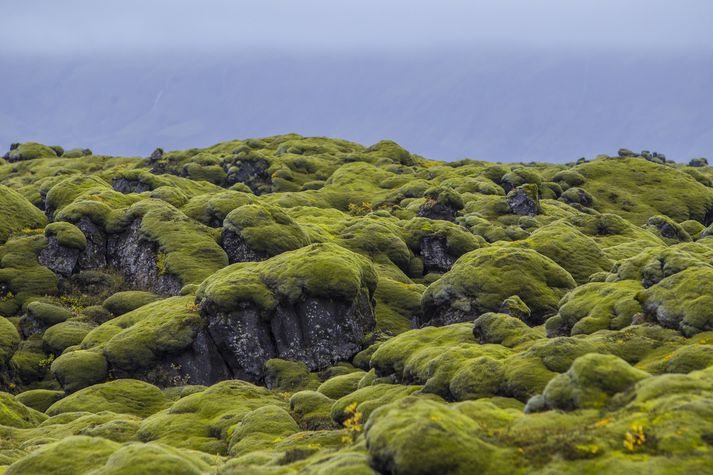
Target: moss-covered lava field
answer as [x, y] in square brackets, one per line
[294, 305]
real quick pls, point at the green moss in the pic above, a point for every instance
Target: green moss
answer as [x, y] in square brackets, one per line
[683, 301]
[67, 234]
[501, 329]
[318, 270]
[342, 385]
[689, 358]
[22, 275]
[79, 369]
[31, 151]
[47, 313]
[284, 375]
[370, 398]
[312, 410]
[212, 208]
[39, 399]
[667, 229]
[124, 302]
[577, 253]
[204, 420]
[637, 189]
[73, 455]
[260, 429]
[409, 436]
[596, 306]
[63, 335]
[266, 229]
[397, 305]
[191, 250]
[15, 414]
[9, 340]
[123, 396]
[137, 339]
[480, 281]
[591, 381]
[17, 214]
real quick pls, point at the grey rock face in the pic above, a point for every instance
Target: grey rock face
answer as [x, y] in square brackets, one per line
[123, 185]
[94, 256]
[59, 259]
[137, 259]
[237, 249]
[521, 203]
[252, 173]
[315, 331]
[437, 211]
[434, 252]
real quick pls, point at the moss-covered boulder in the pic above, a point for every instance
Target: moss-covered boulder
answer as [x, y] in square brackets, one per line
[17, 214]
[591, 381]
[124, 302]
[596, 306]
[415, 436]
[79, 369]
[256, 232]
[480, 281]
[39, 399]
[683, 301]
[313, 305]
[123, 396]
[15, 414]
[41, 315]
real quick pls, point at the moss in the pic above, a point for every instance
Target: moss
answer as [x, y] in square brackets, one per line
[30, 361]
[67, 235]
[667, 229]
[568, 178]
[342, 385]
[123, 396]
[191, 250]
[260, 429]
[397, 305]
[17, 214]
[319, 270]
[63, 335]
[682, 301]
[267, 230]
[596, 306]
[48, 314]
[575, 252]
[136, 340]
[369, 399]
[22, 278]
[15, 414]
[80, 369]
[480, 281]
[211, 209]
[9, 340]
[289, 376]
[591, 381]
[39, 399]
[458, 241]
[637, 189]
[73, 455]
[124, 302]
[501, 329]
[31, 151]
[312, 410]
[378, 239]
[203, 420]
[408, 437]
[689, 358]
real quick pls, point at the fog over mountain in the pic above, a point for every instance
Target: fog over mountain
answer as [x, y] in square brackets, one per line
[562, 83]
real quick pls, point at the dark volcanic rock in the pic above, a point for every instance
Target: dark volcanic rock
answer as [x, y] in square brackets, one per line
[253, 173]
[124, 185]
[237, 249]
[59, 259]
[137, 258]
[316, 331]
[94, 256]
[434, 210]
[434, 252]
[523, 200]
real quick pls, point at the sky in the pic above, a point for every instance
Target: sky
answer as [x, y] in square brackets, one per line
[508, 80]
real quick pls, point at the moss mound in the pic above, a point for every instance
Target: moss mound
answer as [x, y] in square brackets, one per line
[481, 280]
[124, 396]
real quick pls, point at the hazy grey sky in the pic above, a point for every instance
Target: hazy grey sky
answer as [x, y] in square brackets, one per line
[50, 26]
[511, 80]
